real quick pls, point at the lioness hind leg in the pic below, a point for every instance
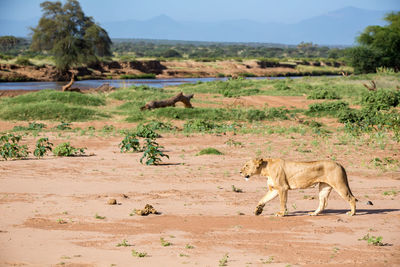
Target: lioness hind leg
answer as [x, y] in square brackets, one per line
[345, 193]
[324, 191]
[269, 196]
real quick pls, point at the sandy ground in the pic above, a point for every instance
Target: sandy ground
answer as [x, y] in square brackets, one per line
[48, 207]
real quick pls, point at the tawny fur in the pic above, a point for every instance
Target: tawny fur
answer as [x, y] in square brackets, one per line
[284, 175]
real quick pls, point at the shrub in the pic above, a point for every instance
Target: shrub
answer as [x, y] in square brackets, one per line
[33, 126]
[10, 148]
[281, 86]
[327, 108]
[209, 151]
[64, 126]
[130, 142]
[380, 99]
[276, 113]
[42, 146]
[146, 131]
[255, 115]
[152, 152]
[23, 61]
[199, 125]
[66, 150]
[323, 94]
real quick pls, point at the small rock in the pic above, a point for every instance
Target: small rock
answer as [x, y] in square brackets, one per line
[370, 203]
[124, 196]
[112, 201]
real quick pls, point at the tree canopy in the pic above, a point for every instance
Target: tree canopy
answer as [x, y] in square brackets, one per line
[70, 36]
[380, 46]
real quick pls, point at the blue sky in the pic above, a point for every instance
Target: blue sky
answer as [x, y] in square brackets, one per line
[288, 11]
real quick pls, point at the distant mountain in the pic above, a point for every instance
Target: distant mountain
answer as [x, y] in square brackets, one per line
[339, 27]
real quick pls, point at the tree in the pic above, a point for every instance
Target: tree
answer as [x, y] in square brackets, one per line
[380, 46]
[71, 37]
[8, 42]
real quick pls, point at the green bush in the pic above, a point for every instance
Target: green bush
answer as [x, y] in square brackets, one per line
[66, 150]
[327, 108]
[255, 115]
[279, 113]
[130, 142]
[323, 94]
[146, 131]
[381, 99]
[33, 126]
[10, 147]
[199, 125]
[42, 146]
[152, 152]
[281, 86]
[23, 61]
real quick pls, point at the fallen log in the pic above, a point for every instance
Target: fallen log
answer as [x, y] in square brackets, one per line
[170, 102]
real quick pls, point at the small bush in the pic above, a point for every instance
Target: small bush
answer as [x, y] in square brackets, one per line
[276, 113]
[42, 147]
[281, 86]
[380, 99]
[199, 125]
[255, 115]
[64, 126]
[33, 126]
[209, 151]
[323, 94]
[66, 150]
[146, 131]
[23, 61]
[10, 147]
[327, 108]
[130, 142]
[152, 153]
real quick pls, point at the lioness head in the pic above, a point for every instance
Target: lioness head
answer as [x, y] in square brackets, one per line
[251, 167]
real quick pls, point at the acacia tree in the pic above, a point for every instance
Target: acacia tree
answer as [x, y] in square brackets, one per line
[380, 46]
[71, 37]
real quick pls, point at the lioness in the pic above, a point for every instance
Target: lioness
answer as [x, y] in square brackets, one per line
[284, 175]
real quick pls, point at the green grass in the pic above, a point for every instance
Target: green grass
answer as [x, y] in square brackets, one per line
[49, 110]
[52, 105]
[73, 98]
[209, 151]
[138, 76]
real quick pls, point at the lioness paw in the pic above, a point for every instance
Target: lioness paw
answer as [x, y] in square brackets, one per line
[259, 210]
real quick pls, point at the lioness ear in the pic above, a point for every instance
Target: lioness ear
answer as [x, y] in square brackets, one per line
[258, 162]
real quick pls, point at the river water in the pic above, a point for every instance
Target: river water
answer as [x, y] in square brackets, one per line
[159, 83]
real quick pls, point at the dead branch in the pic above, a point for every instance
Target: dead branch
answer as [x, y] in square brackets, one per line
[68, 85]
[371, 86]
[170, 102]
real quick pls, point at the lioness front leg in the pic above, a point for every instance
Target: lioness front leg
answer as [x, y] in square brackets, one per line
[283, 200]
[269, 196]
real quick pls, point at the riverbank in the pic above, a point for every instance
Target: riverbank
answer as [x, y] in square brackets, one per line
[171, 69]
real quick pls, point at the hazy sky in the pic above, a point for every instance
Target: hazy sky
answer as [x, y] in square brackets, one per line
[289, 11]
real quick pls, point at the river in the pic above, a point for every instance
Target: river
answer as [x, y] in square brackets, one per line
[159, 83]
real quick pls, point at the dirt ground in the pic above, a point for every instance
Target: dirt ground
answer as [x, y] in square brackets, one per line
[48, 206]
